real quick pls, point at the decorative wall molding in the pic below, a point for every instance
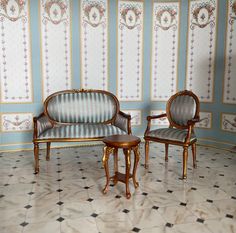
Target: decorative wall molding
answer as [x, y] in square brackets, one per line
[201, 48]
[15, 49]
[228, 122]
[94, 44]
[229, 94]
[14, 122]
[136, 116]
[205, 120]
[165, 38]
[161, 121]
[56, 37]
[130, 50]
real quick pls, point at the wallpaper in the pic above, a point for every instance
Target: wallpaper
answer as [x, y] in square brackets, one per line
[142, 51]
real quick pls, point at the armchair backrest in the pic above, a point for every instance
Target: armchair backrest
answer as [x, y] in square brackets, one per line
[81, 106]
[182, 107]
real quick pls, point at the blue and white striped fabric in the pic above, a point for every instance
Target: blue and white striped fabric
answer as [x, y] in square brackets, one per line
[81, 131]
[82, 107]
[171, 134]
[182, 109]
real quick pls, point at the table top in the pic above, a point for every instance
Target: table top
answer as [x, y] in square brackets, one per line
[122, 141]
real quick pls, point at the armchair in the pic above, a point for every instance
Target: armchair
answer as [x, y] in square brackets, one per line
[182, 112]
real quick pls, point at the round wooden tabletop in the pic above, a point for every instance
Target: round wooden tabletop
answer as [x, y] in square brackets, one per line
[121, 141]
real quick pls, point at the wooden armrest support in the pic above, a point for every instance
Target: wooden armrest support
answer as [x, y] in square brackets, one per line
[193, 121]
[156, 116]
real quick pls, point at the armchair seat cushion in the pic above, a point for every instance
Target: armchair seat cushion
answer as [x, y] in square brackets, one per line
[173, 134]
[82, 130]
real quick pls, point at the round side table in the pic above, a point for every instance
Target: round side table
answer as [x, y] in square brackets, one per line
[127, 143]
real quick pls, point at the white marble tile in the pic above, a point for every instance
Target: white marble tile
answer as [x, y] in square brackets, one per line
[226, 207]
[189, 196]
[224, 225]
[162, 229]
[213, 193]
[191, 227]
[12, 216]
[176, 214]
[114, 223]
[81, 225]
[11, 228]
[74, 210]
[163, 199]
[46, 227]
[145, 218]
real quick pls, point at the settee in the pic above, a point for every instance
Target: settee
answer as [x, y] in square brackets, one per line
[78, 115]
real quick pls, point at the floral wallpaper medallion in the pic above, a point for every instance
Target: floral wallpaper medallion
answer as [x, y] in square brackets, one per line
[205, 120]
[136, 116]
[165, 36]
[55, 45]
[16, 122]
[94, 44]
[162, 122]
[201, 48]
[130, 50]
[15, 49]
[228, 122]
[229, 95]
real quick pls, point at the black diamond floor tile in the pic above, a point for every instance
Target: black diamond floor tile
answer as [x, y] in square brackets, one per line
[169, 224]
[125, 211]
[28, 207]
[229, 216]
[94, 215]
[90, 199]
[200, 220]
[155, 207]
[60, 219]
[23, 224]
[135, 229]
[60, 203]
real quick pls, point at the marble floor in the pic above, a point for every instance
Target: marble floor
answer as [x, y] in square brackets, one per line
[66, 195]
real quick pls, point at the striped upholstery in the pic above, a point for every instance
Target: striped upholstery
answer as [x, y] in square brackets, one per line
[81, 107]
[81, 131]
[182, 109]
[43, 124]
[171, 134]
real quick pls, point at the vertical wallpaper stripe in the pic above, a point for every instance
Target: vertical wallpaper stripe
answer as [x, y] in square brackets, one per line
[94, 44]
[55, 23]
[130, 50]
[15, 49]
[229, 95]
[165, 37]
[202, 27]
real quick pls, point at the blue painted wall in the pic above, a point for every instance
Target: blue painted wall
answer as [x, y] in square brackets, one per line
[214, 135]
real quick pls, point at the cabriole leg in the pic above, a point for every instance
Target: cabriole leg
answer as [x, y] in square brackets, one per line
[105, 164]
[127, 173]
[136, 160]
[194, 155]
[48, 151]
[185, 160]
[36, 157]
[166, 151]
[146, 153]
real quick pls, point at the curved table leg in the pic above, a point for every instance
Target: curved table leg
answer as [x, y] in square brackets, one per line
[106, 153]
[115, 180]
[127, 173]
[136, 160]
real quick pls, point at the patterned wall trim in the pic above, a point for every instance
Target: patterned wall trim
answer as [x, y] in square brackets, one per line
[94, 44]
[161, 121]
[229, 93]
[16, 122]
[136, 116]
[205, 120]
[130, 50]
[165, 40]
[202, 25]
[15, 49]
[55, 22]
[228, 122]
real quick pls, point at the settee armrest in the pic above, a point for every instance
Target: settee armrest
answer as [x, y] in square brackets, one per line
[41, 123]
[123, 121]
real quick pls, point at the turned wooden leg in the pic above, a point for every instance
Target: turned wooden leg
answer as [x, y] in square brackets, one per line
[105, 164]
[146, 153]
[48, 151]
[194, 155]
[166, 151]
[115, 165]
[136, 160]
[185, 160]
[127, 173]
[36, 158]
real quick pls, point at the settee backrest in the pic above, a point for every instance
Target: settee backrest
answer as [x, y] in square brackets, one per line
[81, 106]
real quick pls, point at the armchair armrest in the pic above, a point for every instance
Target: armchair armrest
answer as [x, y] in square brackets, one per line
[123, 121]
[149, 118]
[41, 123]
[193, 121]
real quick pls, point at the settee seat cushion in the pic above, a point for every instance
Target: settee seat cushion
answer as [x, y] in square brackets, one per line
[83, 130]
[171, 134]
